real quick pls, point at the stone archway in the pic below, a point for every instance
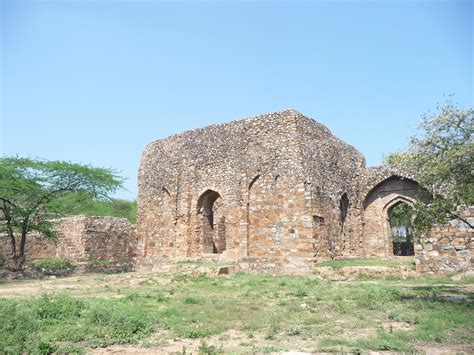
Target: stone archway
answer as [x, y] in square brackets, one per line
[399, 221]
[212, 222]
[378, 241]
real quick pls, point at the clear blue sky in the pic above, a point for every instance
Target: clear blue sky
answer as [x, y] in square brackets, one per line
[95, 81]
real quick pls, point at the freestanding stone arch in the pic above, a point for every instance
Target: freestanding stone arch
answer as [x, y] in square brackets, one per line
[377, 204]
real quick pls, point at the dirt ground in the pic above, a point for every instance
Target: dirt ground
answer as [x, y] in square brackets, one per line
[231, 341]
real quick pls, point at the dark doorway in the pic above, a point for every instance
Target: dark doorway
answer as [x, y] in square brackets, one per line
[213, 232]
[400, 219]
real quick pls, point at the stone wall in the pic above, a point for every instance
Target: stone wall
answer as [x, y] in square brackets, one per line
[447, 248]
[82, 238]
[37, 247]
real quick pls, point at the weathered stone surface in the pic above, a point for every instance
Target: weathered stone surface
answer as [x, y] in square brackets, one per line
[89, 238]
[275, 187]
[37, 247]
[268, 186]
[447, 248]
[82, 238]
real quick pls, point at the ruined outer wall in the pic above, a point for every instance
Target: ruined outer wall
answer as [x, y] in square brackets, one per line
[37, 247]
[82, 238]
[447, 248]
[332, 168]
[272, 173]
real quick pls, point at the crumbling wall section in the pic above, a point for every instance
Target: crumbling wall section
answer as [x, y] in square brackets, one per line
[36, 247]
[83, 238]
[447, 248]
[332, 169]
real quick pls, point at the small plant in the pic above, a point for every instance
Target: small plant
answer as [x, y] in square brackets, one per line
[54, 266]
[71, 349]
[296, 330]
[206, 349]
[301, 292]
[272, 329]
[192, 300]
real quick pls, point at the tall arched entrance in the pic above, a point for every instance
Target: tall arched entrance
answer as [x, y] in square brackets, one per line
[212, 222]
[379, 204]
[400, 217]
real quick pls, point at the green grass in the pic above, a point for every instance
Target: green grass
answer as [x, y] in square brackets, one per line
[392, 263]
[274, 310]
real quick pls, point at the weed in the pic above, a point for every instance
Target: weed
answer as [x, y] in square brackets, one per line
[54, 266]
[71, 349]
[192, 300]
[206, 349]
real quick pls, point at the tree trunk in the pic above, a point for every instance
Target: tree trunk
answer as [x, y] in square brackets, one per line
[21, 254]
[13, 244]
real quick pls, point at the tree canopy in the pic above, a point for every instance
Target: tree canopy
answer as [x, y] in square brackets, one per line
[441, 154]
[29, 188]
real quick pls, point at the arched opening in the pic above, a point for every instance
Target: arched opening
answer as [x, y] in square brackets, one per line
[378, 204]
[213, 229]
[343, 207]
[400, 219]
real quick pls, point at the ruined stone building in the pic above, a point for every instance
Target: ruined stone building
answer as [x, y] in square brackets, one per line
[274, 193]
[278, 185]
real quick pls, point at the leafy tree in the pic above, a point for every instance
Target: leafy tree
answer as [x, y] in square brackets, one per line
[81, 203]
[30, 187]
[441, 155]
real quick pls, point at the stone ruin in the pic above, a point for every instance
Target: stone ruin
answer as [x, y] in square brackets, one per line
[275, 192]
[277, 188]
[82, 239]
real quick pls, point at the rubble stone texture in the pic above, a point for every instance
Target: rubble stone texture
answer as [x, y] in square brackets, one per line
[447, 248]
[276, 186]
[82, 238]
[37, 247]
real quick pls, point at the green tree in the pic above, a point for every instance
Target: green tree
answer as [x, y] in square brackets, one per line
[82, 203]
[441, 155]
[30, 187]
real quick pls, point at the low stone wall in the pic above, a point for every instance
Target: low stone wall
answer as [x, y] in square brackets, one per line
[447, 248]
[276, 266]
[82, 238]
[37, 247]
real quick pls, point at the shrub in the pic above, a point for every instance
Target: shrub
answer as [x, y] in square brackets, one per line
[206, 349]
[54, 266]
[60, 307]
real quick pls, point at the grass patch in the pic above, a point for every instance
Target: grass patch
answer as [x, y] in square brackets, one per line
[392, 263]
[273, 309]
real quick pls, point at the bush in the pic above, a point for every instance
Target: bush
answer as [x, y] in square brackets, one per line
[54, 266]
